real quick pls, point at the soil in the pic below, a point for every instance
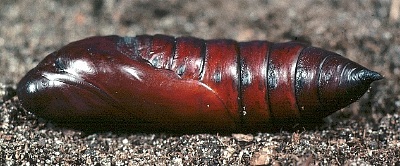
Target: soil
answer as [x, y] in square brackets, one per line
[365, 31]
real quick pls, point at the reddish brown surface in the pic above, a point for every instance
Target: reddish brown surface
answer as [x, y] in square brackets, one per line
[308, 96]
[364, 133]
[282, 64]
[187, 84]
[254, 94]
[221, 74]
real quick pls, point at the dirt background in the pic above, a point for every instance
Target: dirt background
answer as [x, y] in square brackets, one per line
[366, 132]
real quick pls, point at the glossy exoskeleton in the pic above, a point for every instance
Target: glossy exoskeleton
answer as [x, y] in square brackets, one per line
[166, 84]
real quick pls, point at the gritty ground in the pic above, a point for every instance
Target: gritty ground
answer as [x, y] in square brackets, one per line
[366, 132]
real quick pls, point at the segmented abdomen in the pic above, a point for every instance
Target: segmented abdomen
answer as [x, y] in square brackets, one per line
[238, 84]
[249, 76]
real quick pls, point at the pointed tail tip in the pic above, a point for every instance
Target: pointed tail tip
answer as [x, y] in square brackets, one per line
[371, 76]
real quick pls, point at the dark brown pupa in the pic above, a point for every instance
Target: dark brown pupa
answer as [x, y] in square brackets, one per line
[165, 84]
